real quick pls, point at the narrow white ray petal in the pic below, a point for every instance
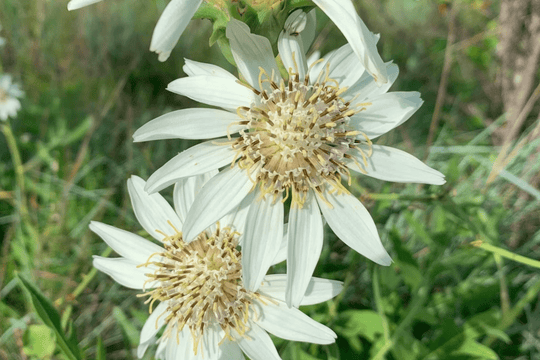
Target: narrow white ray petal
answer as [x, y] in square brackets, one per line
[290, 44]
[384, 112]
[77, 4]
[251, 52]
[214, 90]
[154, 322]
[196, 160]
[260, 347]
[171, 25]
[219, 196]
[236, 218]
[391, 164]
[195, 68]
[197, 123]
[283, 247]
[308, 35]
[305, 245]
[211, 338]
[316, 55]
[318, 290]
[152, 210]
[366, 86]
[141, 349]
[185, 191]
[362, 41]
[160, 351]
[123, 271]
[353, 224]
[263, 235]
[179, 346]
[126, 244]
[230, 350]
[344, 66]
[293, 324]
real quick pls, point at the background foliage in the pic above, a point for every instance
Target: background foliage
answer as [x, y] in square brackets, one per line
[90, 81]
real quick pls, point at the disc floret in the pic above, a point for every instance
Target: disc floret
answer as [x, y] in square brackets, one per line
[202, 284]
[297, 136]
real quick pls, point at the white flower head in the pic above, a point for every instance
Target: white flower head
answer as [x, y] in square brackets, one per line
[9, 92]
[203, 306]
[169, 28]
[297, 139]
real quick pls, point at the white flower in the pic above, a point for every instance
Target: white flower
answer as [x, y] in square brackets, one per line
[202, 305]
[297, 139]
[170, 26]
[9, 92]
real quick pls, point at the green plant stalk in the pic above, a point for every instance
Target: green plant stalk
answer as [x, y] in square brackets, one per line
[17, 164]
[506, 254]
[378, 303]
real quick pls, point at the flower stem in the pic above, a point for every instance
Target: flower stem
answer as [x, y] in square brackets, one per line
[507, 254]
[17, 164]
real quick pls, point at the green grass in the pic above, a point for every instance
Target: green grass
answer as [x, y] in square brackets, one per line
[90, 82]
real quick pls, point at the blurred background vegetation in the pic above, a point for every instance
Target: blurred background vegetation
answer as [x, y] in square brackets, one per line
[451, 293]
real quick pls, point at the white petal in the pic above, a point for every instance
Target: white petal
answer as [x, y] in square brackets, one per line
[152, 210]
[293, 324]
[141, 349]
[154, 322]
[236, 219]
[316, 55]
[160, 351]
[367, 87]
[260, 244]
[353, 224]
[219, 196]
[77, 4]
[214, 90]
[308, 35]
[283, 247]
[305, 245]
[230, 350]
[251, 52]
[391, 164]
[363, 42]
[344, 67]
[171, 25]
[126, 244]
[179, 347]
[211, 338]
[123, 271]
[318, 290]
[195, 123]
[195, 68]
[185, 191]
[290, 44]
[260, 347]
[196, 160]
[386, 112]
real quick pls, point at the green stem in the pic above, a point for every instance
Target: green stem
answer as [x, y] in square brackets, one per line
[17, 164]
[506, 254]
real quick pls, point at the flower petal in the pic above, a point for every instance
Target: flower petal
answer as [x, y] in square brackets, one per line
[230, 350]
[283, 247]
[195, 68]
[214, 90]
[260, 244]
[77, 4]
[305, 244]
[171, 25]
[195, 123]
[180, 346]
[251, 52]
[309, 32]
[362, 41]
[186, 189]
[126, 244]
[154, 322]
[196, 160]
[386, 112]
[318, 290]
[366, 86]
[344, 67]
[293, 324]
[236, 219]
[353, 224]
[290, 44]
[219, 196]
[260, 347]
[152, 210]
[391, 164]
[123, 271]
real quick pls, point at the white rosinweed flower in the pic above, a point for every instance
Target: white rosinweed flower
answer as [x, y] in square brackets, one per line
[9, 92]
[169, 28]
[196, 290]
[297, 139]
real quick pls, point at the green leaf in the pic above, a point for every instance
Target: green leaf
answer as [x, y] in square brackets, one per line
[471, 347]
[131, 334]
[48, 314]
[365, 323]
[101, 354]
[40, 341]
